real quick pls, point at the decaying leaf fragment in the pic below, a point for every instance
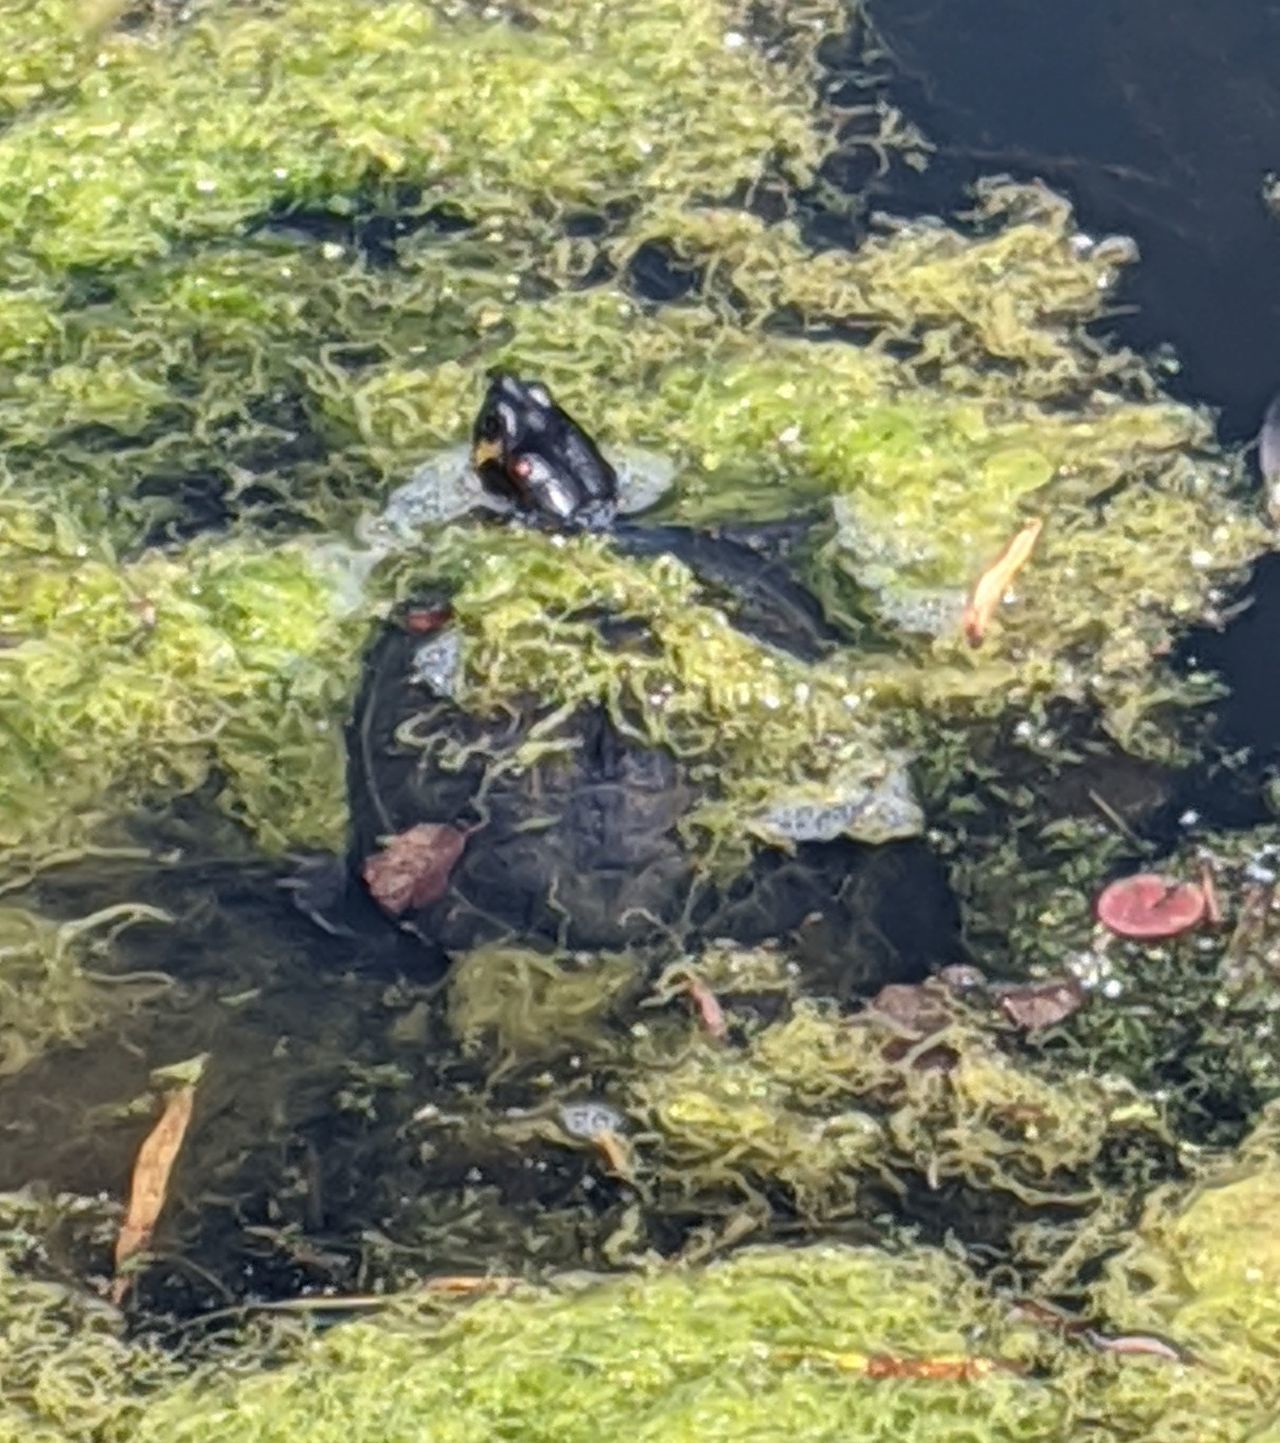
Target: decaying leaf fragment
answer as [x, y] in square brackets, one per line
[413, 867]
[150, 1184]
[1034, 1005]
[995, 581]
[707, 1008]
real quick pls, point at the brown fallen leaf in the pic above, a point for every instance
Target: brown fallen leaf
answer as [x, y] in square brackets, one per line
[706, 1006]
[150, 1184]
[463, 1286]
[1034, 1005]
[413, 868]
[911, 1012]
[995, 581]
[913, 1007]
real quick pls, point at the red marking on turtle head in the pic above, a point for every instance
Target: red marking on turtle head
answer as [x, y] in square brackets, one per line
[425, 620]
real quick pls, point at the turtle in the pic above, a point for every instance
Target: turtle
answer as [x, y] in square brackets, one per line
[584, 850]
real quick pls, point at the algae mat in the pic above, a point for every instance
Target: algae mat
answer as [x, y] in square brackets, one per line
[259, 259]
[269, 321]
[800, 1344]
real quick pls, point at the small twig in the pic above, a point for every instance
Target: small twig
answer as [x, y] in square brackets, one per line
[615, 1152]
[885, 1365]
[708, 1010]
[1116, 820]
[990, 588]
[1212, 908]
[1145, 1345]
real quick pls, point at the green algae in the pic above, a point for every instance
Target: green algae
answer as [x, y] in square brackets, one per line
[50, 994]
[728, 1351]
[154, 328]
[719, 1354]
[47, 47]
[185, 140]
[163, 344]
[67, 1367]
[725, 1351]
[822, 1104]
[929, 473]
[758, 724]
[811, 1113]
[514, 1005]
[128, 679]
[1201, 1269]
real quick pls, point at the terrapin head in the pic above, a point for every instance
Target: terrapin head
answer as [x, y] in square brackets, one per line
[531, 453]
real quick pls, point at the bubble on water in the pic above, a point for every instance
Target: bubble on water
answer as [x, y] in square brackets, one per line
[929, 613]
[437, 664]
[883, 811]
[588, 1119]
[644, 477]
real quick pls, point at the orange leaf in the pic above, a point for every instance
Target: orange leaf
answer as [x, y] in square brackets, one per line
[995, 581]
[150, 1185]
[459, 1286]
[707, 1006]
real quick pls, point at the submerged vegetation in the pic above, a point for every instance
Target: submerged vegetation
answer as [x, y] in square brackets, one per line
[258, 260]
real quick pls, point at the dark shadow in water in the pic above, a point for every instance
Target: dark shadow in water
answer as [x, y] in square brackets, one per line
[306, 1167]
[1243, 653]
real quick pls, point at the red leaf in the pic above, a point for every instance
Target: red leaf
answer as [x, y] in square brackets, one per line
[1150, 908]
[413, 868]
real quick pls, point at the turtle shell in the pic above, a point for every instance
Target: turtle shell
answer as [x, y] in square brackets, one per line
[465, 835]
[581, 847]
